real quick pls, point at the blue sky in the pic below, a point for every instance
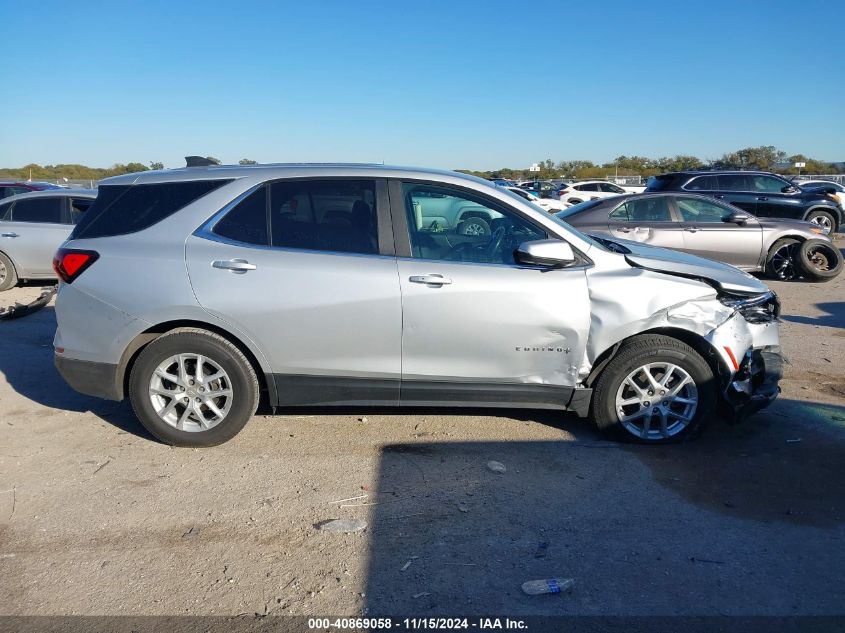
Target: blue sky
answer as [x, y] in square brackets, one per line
[446, 84]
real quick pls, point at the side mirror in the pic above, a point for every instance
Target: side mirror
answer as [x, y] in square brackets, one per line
[789, 189]
[738, 217]
[552, 253]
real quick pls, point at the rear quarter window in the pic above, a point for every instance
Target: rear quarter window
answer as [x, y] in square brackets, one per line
[124, 209]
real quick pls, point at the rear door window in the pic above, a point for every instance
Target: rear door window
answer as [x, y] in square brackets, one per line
[735, 182]
[78, 206]
[123, 209]
[649, 209]
[38, 210]
[324, 215]
[247, 221]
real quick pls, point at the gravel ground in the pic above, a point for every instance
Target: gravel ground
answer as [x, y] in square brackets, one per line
[98, 518]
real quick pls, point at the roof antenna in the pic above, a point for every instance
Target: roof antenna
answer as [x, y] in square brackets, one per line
[200, 161]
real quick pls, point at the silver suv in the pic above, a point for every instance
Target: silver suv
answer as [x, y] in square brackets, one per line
[198, 291]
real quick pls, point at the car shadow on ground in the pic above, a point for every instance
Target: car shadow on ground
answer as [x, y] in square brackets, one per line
[834, 317]
[713, 526]
[26, 362]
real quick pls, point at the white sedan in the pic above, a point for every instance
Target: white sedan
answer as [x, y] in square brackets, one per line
[590, 190]
[549, 204]
[840, 190]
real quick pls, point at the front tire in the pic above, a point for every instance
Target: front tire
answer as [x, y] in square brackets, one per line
[191, 387]
[8, 275]
[782, 260]
[819, 260]
[656, 390]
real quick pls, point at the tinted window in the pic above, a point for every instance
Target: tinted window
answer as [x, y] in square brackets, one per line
[610, 188]
[701, 211]
[247, 221]
[325, 215]
[703, 183]
[620, 213]
[767, 184]
[649, 209]
[589, 187]
[5, 210]
[42, 210]
[462, 227]
[734, 182]
[78, 206]
[122, 209]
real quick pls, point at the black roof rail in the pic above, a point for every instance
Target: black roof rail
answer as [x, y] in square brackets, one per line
[200, 161]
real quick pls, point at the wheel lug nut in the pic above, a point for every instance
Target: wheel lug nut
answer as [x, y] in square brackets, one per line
[190, 382]
[199, 400]
[646, 403]
[202, 388]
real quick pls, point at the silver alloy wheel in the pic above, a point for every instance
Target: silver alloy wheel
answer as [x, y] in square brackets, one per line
[191, 392]
[824, 222]
[783, 261]
[656, 401]
[3, 272]
[474, 228]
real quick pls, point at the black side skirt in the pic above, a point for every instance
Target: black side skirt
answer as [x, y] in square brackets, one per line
[300, 390]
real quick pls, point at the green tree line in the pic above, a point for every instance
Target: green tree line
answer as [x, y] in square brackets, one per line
[765, 158]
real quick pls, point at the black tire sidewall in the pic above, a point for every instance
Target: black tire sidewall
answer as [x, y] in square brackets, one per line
[604, 396]
[241, 375]
[775, 247]
[811, 272]
[11, 279]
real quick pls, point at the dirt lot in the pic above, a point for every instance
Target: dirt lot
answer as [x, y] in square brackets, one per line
[98, 518]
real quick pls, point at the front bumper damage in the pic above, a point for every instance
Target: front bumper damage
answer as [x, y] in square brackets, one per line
[749, 346]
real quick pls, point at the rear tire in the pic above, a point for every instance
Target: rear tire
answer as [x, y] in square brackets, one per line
[623, 391]
[782, 260]
[824, 220]
[201, 412]
[819, 260]
[8, 275]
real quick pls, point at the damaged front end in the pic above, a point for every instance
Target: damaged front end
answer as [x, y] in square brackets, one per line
[749, 345]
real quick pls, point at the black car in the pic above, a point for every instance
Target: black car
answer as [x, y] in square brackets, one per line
[761, 193]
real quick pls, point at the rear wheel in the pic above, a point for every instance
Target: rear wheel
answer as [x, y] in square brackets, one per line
[823, 219]
[191, 387]
[656, 390]
[819, 260]
[781, 262]
[8, 276]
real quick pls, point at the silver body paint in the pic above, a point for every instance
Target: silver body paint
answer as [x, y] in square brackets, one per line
[337, 316]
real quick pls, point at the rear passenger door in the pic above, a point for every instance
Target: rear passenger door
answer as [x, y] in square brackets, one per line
[305, 268]
[647, 219]
[37, 226]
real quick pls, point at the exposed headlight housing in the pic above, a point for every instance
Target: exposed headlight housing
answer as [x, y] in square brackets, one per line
[762, 308]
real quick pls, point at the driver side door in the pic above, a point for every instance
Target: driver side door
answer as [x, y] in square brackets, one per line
[478, 327]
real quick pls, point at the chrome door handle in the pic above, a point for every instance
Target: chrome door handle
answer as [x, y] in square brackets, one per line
[762, 198]
[9, 235]
[623, 229]
[433, 280]
[719, 196]
[691, 229]
[239, 266]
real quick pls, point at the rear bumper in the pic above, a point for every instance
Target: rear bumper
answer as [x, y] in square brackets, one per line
[91, 378]
[755, 385]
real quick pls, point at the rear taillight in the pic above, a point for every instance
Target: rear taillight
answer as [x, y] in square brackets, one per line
[69, 263]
